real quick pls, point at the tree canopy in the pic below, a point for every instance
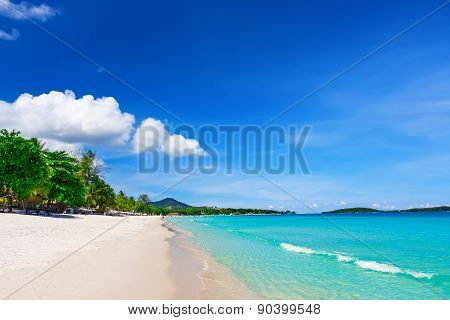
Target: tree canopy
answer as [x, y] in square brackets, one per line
[22, 165]
[29, 172]
[65, 184]
[100, 195]
[144, 198]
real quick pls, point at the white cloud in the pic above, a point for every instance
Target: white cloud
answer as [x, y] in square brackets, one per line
[11, 36]
[149, 136]
[65, 122]
[60, 116]
[383, 206]
[426, 205]
[55, 145]
[25, 10]
[153, 135]
[177, 145]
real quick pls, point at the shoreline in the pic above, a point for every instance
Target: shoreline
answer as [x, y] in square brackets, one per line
[213, 280]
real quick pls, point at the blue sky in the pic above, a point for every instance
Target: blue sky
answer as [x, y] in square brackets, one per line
[380, 133]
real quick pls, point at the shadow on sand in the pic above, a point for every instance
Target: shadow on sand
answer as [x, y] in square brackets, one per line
[44, 215]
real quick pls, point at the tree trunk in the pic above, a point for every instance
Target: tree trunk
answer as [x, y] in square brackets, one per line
[10, 200]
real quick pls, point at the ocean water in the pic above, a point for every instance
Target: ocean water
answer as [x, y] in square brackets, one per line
[345, 256]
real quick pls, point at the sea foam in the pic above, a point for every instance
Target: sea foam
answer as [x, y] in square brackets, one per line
[290, 247]
[376, 266]
[369, 265]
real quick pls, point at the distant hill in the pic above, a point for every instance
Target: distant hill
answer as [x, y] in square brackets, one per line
[353, 210]
[432, 209]
[370, 210]
[170, 203]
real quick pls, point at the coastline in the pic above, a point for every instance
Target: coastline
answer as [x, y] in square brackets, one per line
[104, 257]
[212, 280]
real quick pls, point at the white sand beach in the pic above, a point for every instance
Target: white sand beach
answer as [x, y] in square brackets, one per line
[102, 257]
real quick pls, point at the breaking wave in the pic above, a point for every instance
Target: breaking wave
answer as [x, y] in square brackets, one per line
[369, 265]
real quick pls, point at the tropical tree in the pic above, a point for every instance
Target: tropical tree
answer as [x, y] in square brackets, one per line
[121, 201]
[100, 195]
[144, 198]
[65, 185]
[22, 165]
[131, 204]
[91, 168]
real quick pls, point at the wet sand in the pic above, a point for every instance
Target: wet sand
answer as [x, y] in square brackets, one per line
[214, 282]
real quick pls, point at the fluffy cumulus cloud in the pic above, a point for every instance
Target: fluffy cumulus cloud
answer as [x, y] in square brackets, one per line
[55, 145]
[23, 10]
[66, 122]
[153, 135]
[9, 36]
[60, 116]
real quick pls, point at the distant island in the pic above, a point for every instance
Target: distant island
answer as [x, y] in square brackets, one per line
[371, 210]
[172, 206]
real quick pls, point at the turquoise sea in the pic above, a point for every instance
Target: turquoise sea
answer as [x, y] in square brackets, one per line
[345, 256]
